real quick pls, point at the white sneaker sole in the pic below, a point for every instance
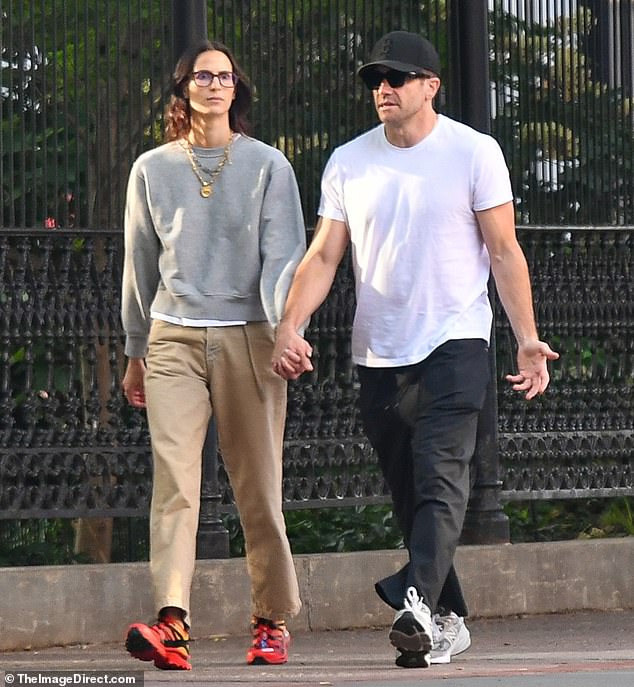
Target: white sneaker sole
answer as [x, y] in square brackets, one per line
[463, 642]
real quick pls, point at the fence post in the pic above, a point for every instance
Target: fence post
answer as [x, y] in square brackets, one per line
[485, 522]
[212, 540]
[190, 26]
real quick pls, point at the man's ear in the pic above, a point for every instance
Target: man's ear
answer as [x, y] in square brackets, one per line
[433, 86]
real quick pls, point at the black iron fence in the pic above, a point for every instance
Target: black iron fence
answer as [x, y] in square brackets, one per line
[82, 90]
[70, 445]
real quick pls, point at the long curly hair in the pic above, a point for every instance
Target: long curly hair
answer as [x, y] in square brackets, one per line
[178, 113]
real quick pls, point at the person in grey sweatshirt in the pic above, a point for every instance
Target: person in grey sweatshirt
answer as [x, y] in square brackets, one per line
[213, 234]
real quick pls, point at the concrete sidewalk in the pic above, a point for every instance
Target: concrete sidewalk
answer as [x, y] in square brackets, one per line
[580, 649]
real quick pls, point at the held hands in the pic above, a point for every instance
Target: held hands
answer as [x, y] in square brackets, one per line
[532, 359]
[133, 382]
[291, 355]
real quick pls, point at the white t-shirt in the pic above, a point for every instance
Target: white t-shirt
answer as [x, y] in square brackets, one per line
[421, 267]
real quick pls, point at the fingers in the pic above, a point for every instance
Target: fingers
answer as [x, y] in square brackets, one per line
[290, 364]
[531, 384]
[285, 369]
[286, 372]
[520, 383]
[291, 354]
[532, 362]
[136, 397]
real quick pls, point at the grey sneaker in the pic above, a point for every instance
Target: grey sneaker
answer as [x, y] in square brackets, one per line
[452, 638]
[411, 632]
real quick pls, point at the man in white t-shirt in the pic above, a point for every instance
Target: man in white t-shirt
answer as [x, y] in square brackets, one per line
[427, 206]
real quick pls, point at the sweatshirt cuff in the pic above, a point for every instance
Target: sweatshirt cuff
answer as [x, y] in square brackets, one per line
[136, 346]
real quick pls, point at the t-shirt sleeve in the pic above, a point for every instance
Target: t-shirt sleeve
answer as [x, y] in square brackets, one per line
[331, 202]
[491, 180]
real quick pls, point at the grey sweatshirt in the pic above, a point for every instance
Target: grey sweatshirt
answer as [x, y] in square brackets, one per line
[231, 256]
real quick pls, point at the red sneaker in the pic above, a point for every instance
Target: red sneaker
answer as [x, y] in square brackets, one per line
[270, 643]
[166, 643]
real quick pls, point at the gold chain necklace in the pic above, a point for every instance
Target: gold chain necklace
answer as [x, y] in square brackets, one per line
[206, 185]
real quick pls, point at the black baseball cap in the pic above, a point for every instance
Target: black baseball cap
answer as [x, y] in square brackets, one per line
[405, 52]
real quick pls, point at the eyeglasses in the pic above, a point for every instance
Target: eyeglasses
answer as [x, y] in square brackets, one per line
[373, 78]
[205, 78]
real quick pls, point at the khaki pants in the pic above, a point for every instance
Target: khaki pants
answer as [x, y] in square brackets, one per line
[193, 372]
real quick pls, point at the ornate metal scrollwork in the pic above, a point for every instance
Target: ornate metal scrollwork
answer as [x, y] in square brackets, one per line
[70, 445]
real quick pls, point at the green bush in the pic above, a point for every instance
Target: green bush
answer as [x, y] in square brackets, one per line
[571, 519]
[357, 528]
[37, 542]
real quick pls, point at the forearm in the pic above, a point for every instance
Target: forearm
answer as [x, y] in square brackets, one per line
[512, 282]
[510, 271]
[311, 285]
[315, 273]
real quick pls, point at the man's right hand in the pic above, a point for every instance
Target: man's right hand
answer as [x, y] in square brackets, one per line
[291, 354]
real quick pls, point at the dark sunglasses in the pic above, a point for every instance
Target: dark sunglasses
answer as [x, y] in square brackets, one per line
[373, 78]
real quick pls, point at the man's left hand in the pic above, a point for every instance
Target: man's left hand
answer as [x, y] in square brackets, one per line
[532, 363]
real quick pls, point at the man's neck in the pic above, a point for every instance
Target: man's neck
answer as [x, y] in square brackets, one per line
[412, 132]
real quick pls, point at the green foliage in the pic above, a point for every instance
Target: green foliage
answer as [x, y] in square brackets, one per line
[567, 165]
[571, 519]
[76, 98]
[80, 102]
[358, 528]
[38, 542]
[616, 520]
[550, 520]
[327, 530]
[82, 98]
[40, 553]
[302, 60]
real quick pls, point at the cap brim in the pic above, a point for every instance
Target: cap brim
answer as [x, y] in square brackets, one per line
[390, 64]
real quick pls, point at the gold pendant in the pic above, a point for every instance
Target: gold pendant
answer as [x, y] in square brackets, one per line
[205, 191]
